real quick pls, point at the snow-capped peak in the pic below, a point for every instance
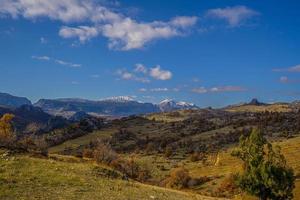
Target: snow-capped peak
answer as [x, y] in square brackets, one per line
[169, 105]
[167, 101]
[182, 103]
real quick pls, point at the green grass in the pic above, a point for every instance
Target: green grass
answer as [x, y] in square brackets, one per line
[83, 140]
[24, 177]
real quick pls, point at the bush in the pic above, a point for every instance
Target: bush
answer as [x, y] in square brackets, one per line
[228, 187]
[103, 153]
[168, 151]
[87, 153]
[131, 169]
[179, 178]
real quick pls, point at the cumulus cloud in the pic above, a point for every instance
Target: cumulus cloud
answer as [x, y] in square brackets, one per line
[125, 75]
[129, 34]
[143, 74]
[234, 16]
[60, 62]
[123, 33]
[202, 90]
[159, 74]
[66, 11]
[295, 68]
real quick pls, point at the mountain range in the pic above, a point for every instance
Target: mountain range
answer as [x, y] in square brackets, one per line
[115, 106]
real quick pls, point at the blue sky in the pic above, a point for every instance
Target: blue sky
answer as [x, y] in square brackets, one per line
[211, 52]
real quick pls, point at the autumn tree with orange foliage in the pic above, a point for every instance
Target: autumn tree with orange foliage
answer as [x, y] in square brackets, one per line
[7, 136]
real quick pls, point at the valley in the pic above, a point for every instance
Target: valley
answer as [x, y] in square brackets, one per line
[142, 152]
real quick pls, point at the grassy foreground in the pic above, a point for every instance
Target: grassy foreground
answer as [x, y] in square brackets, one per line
[24, 177]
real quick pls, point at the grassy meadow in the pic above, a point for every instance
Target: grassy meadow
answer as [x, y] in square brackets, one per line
[66, 177]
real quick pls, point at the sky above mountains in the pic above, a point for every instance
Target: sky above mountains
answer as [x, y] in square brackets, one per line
[212, 53]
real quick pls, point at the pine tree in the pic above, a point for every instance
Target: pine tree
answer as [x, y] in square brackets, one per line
[266, 174]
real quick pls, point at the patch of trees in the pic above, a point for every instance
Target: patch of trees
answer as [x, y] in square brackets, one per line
[72, 131]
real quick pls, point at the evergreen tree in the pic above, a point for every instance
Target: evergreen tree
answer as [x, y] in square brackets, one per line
[266, 174]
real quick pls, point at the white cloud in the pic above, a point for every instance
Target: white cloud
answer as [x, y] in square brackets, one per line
[142, 74]
[61, 62]
[66, 11]
[284, 79]
[125, 75]
[227, 89]
[46, 58]
[184, 21]
[140, 68]
[202, 90]
[43, 40]
[159, 74]
[123, 33]
[295, 68]
[159, 89]
[235, 16]
[129, 34]
[84, 33]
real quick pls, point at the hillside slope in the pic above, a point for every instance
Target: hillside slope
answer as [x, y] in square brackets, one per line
[24, 177]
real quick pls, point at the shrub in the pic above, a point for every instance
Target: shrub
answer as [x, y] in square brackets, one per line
[228, 187]
[179, 178]
[131, 169]
[168, 151]
[103, 153]
[87, 153]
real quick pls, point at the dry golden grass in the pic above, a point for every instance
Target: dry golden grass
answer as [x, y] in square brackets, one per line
[253, 108]
[24, 177]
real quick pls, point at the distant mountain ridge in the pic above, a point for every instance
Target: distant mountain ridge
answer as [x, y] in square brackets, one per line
[106, 107]
[115, 106]
[30, 119]
[13, 101]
